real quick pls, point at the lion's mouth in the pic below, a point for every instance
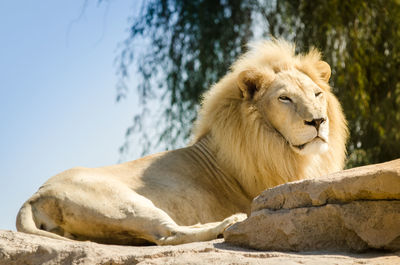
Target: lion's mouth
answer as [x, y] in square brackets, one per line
[301, 146]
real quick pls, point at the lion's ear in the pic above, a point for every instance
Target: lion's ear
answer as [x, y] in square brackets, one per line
[249, 82]
[324, 70]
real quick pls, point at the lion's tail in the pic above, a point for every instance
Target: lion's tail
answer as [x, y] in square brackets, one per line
[26, 223]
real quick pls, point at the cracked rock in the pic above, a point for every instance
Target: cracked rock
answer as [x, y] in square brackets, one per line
[352, 210]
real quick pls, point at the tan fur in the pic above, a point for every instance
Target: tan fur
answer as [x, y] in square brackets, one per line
[255, 154]
[256, 129]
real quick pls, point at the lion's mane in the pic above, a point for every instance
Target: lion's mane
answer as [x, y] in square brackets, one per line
[246, 147]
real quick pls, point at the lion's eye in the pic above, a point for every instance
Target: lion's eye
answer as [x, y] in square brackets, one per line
[285, 99]
[318, 94]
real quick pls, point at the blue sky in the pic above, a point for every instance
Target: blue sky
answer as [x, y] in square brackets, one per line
[57, 92]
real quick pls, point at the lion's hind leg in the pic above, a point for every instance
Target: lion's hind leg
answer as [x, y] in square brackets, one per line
[84, 207]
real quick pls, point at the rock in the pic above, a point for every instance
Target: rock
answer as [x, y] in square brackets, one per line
[19, 248]
[352, 210]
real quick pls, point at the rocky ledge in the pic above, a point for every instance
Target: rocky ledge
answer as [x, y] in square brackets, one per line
[352, 210]
[18, 248]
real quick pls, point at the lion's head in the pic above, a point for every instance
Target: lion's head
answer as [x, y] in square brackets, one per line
[293, 105]
[273, 118]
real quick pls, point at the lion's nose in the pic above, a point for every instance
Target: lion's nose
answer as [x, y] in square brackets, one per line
[315, 122]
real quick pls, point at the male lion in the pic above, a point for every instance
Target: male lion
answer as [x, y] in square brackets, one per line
[272, 119]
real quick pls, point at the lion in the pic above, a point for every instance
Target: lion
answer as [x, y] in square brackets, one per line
[271, 119]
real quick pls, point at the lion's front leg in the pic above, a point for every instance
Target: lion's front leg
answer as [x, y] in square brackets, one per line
[198, 232]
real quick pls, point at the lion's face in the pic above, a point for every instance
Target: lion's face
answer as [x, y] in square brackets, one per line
[296, 108]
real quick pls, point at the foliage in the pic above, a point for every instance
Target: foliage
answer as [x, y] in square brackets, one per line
[192, 43]
[190, 48]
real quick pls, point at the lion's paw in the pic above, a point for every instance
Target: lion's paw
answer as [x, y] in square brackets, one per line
[238, 217]
[233, 219]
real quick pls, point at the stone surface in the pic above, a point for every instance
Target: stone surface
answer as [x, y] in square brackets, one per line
[18, 248]
[352, 210]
